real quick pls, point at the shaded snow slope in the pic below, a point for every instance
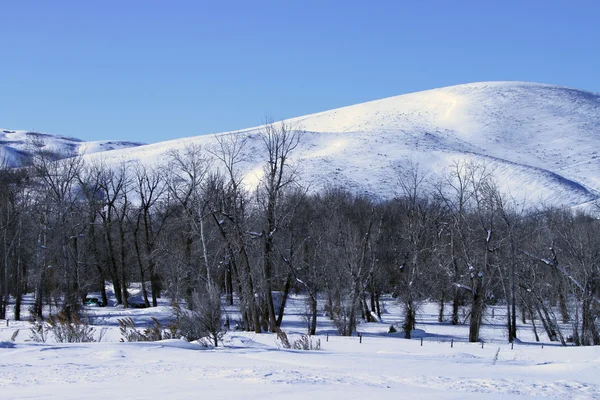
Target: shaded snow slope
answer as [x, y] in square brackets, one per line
[16, 145]
[540, 140]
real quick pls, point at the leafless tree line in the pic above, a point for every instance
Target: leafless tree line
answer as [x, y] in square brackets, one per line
[192, 231]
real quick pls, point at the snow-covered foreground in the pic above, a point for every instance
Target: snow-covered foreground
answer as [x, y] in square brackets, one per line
[255, 366]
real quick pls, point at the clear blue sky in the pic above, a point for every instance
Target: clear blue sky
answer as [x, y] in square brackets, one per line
[156, 70]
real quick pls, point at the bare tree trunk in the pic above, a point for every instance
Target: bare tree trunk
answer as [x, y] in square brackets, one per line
[312, 328]
[513, 293]
[4, 292]
[20, 278]
[456, 298]
[441, 308]
[286, 292]
[250, 296]
[509, 319]
[562, 301]
[229, 284]
[372, 298]
[589, 333]
[38, 304]
[112, 264]
[477, 307]
[122, 263]
[410, 317]
[549, 323]
[268, 268]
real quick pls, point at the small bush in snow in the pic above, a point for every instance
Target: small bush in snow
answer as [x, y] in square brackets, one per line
[344, 316]
[153, 333]
[102, 333]
[205, 321]
[63, 329]
[38, 332]
[306, 343]
[128, 331]
[74, 331]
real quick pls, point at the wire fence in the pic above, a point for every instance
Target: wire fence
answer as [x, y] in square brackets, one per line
[360, 337]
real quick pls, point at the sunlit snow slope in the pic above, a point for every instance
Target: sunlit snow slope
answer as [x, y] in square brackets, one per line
[16, 146]
[542, 141]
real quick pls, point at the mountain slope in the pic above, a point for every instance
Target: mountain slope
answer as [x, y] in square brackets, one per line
[16, 146]
[540, 140]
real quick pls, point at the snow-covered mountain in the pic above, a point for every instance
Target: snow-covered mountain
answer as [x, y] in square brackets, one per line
[541, 141]
[16, 145]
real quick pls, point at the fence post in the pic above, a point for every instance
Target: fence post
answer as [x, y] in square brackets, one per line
[482, 344]
[451, 343]
[512, 345]
[327, 340]
[359, 338]
[421, 342]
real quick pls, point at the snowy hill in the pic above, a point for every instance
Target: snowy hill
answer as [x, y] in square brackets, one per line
[16, 145]
[541, 141]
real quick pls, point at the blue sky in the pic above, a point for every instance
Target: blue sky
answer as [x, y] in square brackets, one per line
[157, 70]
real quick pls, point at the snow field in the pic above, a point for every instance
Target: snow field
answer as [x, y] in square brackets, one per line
[254, 365]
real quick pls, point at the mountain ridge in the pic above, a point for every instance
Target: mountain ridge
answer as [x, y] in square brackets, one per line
[539, 139]
[16, 145]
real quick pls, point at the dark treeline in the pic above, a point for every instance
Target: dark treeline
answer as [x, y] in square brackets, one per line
[190, 230]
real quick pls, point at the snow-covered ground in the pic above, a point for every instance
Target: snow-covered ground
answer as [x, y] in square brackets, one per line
[253, 366]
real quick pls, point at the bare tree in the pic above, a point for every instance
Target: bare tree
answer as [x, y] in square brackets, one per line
[59, 199]
[13, 209]
[415, 236]
[151, 218]
[279, 141]
[188, 175]
[473, 216]
[229, 212]
[114, 185]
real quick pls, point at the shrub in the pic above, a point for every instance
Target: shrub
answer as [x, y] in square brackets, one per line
[305, 342]
[38, 331]
[63, 329]
[128, 331]
[152, 333]
[204, 323]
